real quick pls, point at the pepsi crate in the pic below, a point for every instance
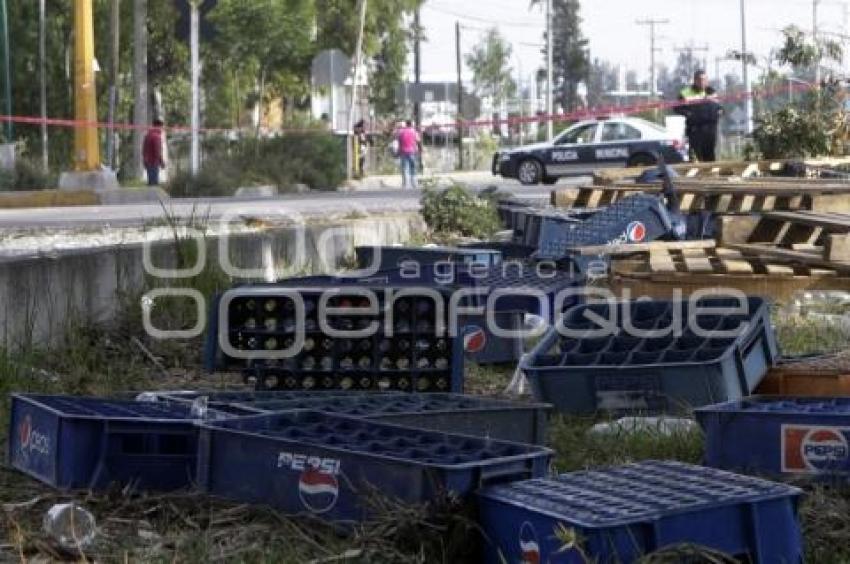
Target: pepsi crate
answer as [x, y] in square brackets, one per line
[791, 437]
[388, 257]
[581, 368]
[620, 514]
[89, 443]
[452, 413]
[529, 229]
[307, 462]
[635, 219]
[402, 343]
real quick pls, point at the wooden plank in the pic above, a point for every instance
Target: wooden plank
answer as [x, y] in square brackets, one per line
[661, 261]
[737, 266]
[698, 264]
[831, 221]
[788, 255]
[837, 247]
[651, 247]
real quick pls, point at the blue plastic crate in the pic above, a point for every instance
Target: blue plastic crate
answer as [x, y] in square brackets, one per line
[635, 219]
[452, 413]
[328, 465]
[781, 436]
[623, 513]
[90, 443]
[607, 369]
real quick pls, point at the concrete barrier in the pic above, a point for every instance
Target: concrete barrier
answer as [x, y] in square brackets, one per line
[40, 297]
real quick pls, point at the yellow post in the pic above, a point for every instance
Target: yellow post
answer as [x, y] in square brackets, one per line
[86, 148]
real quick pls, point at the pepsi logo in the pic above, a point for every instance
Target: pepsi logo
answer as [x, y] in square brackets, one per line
[474, 339]
[318, 490]
[807, 449]
[636, 232]
[25, 432]
[30, 440]
[529, 547]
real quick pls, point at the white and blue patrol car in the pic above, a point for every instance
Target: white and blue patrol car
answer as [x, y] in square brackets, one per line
[588, 146]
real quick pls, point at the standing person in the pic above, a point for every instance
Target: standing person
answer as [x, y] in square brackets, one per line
[152, 152]
[408, 148]
[362, 140]
[702, 113]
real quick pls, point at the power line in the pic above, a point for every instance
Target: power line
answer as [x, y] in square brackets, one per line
[459, 15]
[652, 24]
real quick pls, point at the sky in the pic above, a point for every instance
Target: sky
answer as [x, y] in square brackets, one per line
[613, 34]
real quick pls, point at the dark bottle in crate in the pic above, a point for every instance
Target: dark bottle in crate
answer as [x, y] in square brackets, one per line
[423, 345]
[364, 363]
[327, 363]
[309, 344]
[346, 363]
[270, 324]
[423, 363]
[346, 346]
[326, 344]
[403, 345]
[385, 345]
[424, 326]
[308, 363]
[386, 363]
[402, 363]
[441, 363]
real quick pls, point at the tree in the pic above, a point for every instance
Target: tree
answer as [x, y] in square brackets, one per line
[491, 73]
[817, 123]
[570, 58]
[602, 79]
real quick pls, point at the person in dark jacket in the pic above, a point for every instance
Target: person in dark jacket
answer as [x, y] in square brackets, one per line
[702, 114]
[152, 152]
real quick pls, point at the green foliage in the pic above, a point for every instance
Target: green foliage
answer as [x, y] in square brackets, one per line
[315, 159]
[489, 62]
[26, 175]
[457, 211]
[570, 58]
[791, 132]
[800, 51]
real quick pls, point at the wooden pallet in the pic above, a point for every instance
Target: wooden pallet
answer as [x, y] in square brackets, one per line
[740, 169]
[662, 273]
[793, 257]
[802, 230]
[726, 198]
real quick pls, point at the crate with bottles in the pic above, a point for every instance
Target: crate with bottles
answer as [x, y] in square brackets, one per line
[335, 338]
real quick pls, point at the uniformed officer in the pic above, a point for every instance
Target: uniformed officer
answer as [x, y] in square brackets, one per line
[702, 112]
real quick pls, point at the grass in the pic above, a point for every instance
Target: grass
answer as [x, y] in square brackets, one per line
[186, 527]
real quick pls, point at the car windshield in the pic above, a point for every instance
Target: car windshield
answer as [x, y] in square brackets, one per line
[577, 134]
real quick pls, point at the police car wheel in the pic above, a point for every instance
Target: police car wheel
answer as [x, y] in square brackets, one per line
[529, 172]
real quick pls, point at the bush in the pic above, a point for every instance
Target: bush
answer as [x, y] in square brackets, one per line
[26, 175]
[315, 159]
[457, 211]
[789, 133]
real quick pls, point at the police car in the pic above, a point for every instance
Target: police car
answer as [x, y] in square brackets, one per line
[588, 146]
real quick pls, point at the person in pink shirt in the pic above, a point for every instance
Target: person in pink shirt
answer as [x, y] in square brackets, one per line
[408, 148]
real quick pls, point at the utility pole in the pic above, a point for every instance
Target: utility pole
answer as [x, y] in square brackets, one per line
[549, 81]
[748, 101]
[7, 73]
[194, 43]
[140, 81]
[42, 73]
[115, 31]
[459, 99]
[86, 147]
[417, 69]
[652, 23]
[815, 41]
[354, 81]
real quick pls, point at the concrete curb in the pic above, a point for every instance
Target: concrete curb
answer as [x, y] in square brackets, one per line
[66, 198]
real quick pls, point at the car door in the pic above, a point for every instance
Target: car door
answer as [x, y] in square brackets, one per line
[572, 151]
[612, 149]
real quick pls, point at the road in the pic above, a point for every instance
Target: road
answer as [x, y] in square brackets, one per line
[285, 207]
